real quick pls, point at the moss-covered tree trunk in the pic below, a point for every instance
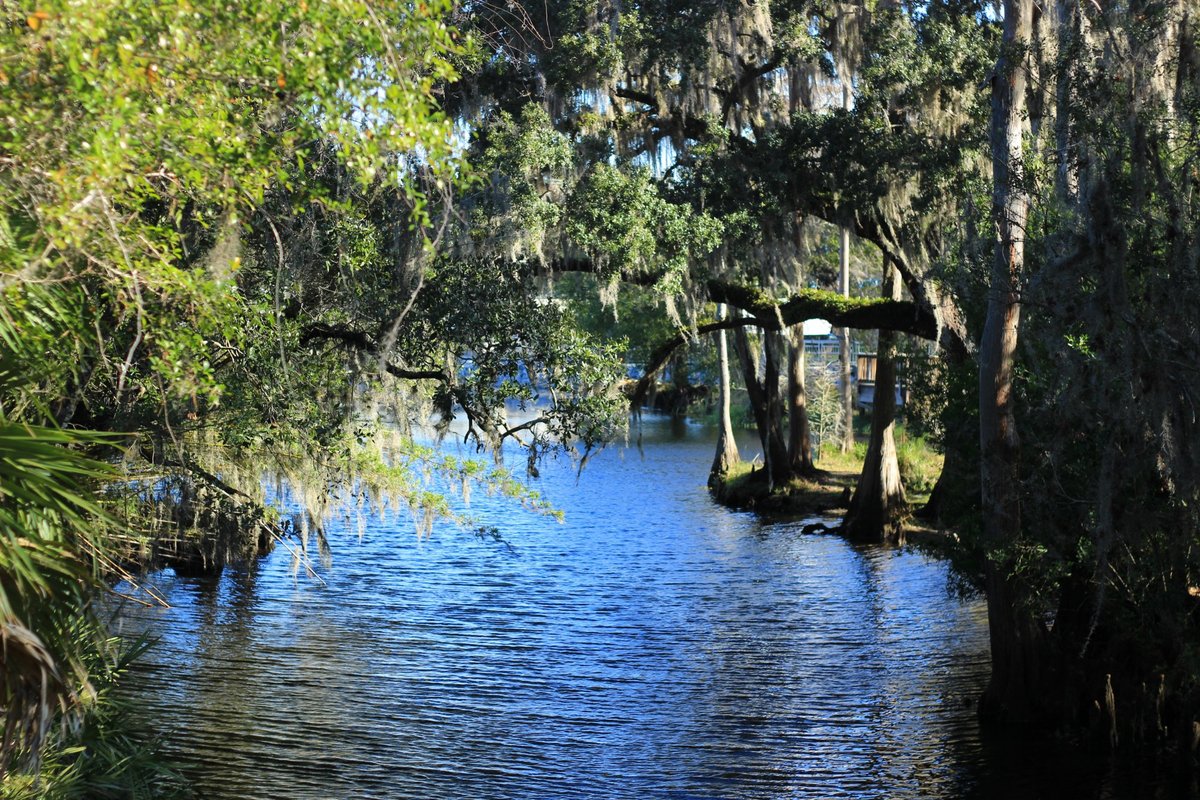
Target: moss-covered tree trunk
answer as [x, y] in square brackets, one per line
[727, 452]
[878, 507]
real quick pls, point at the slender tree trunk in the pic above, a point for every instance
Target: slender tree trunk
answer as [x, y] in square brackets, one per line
[1066, 182]
[843, 335]
[800, 458]
[878, 507]
[1016, 637]
[727, 452]
[769, 434]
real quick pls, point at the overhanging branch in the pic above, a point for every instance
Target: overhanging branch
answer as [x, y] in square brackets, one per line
[902, 316]
[584, 264]
[360, 340]
[877, 314]
[662, 353]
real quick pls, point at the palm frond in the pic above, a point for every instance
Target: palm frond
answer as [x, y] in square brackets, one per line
[50, 524]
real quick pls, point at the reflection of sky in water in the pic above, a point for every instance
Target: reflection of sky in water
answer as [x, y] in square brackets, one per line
[655, 645]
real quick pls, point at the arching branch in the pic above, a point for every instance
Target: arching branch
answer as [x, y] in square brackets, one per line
[363, 342]
[902, 316]
[584, 264]
[749, 74]
[662, 353]
[766, 313]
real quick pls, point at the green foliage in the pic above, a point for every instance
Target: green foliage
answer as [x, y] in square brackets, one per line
[926, 67]
[216, 228]
[236, 242]
[920, 465]
[620, 220]
[137, 133]
[943, 399]
[108, 752]
[635, 318]
[514, 348]
[524, 157]
[149, 99]
[52, 541]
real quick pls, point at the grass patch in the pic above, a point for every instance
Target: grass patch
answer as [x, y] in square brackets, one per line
[833, 459]
[920, 466]
[747, 487]
[829, 490]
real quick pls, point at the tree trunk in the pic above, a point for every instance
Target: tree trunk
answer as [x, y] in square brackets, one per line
[780, 465]
[800, 458]
[878, 507]
[727, 452]
[956, 491]
[769, 433]
[1066, 180]
[844, 288]
[843, 335]
[1016, 637]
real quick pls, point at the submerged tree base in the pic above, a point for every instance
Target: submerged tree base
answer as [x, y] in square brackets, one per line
[822, 493]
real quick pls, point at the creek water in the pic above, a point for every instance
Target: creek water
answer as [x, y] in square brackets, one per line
[652, 645]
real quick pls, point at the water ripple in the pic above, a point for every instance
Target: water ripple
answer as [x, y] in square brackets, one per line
[655, 645]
